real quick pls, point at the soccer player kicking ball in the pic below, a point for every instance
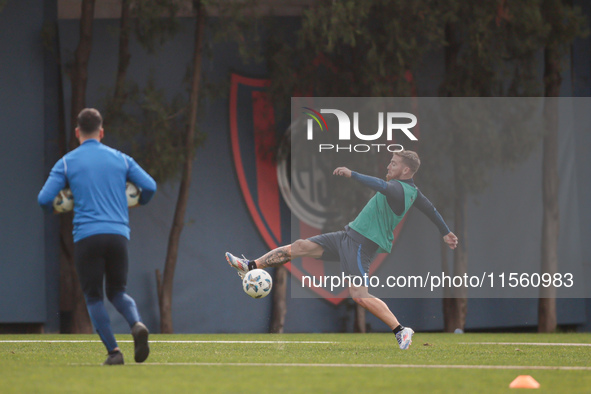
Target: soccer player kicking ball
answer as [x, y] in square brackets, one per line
[97, 175]
[370, 232]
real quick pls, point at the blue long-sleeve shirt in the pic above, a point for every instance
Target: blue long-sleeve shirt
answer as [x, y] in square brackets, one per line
[97, 174]
[394, 193]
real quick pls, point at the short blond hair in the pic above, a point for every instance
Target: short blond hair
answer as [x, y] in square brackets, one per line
[410, 159]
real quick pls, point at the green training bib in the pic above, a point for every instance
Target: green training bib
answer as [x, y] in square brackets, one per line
[377, 221]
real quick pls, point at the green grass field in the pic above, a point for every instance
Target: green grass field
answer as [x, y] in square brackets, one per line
[342, 363]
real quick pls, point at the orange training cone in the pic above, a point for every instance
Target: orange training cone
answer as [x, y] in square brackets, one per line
[524, 382]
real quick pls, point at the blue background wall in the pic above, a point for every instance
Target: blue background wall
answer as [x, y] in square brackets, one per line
[217, 218]
[22, 246]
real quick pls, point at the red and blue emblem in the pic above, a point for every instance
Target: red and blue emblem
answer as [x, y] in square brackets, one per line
[255, 142]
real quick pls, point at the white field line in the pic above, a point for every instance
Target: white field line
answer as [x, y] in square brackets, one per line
[526, 343]
[311, 365]
[126, 341]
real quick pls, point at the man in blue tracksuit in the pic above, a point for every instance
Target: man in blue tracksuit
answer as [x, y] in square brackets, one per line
[96, 175]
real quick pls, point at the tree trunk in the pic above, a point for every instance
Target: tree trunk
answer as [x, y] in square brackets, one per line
[166, 282]
[359, 325]
[281, 274]
[448, 324]
[279, 300]
[124, 55]
[550, 183]
[451, 52]
[454, 301]
[75, 317]
[459, 302]
[80, 69]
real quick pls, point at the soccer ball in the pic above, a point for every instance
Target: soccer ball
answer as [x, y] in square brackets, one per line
[257, 283]
[133, 194]
[64, 201]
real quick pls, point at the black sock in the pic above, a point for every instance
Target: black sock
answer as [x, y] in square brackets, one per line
[113, 352]
[398, 329]
[252, 265]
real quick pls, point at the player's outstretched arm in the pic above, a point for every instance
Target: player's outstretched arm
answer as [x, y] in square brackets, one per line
[423, 204]
[373, 183]
[451, 240]
[342, 171]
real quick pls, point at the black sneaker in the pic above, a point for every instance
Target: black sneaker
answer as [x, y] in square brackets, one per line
[140, 341]
[115, 358]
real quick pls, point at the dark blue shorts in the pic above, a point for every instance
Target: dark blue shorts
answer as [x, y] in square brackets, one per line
[353, 250]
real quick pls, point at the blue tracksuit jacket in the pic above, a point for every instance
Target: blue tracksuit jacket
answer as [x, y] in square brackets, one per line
[96, 174]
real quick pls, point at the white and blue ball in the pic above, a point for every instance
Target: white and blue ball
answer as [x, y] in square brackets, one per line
[257, 283]
[133, 194]
[64, 201]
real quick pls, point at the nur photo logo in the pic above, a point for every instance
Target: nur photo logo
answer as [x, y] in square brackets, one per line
[386, 121]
